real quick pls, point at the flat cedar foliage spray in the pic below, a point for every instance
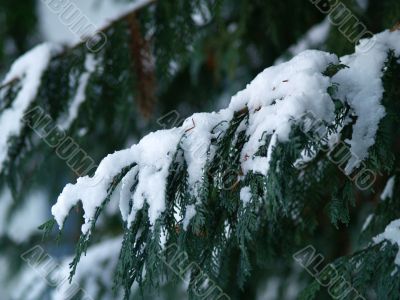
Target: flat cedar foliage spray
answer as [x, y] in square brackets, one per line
[285, 187]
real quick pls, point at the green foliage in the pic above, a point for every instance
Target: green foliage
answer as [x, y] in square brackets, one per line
[239, 246]
[279, 204]
[17, 25]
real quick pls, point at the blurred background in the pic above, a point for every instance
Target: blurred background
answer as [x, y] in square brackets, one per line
[160, 64]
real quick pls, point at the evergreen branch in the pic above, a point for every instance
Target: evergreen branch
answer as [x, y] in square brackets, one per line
[126, 16]
[237, 169]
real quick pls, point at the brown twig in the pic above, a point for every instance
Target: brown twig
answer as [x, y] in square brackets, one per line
[10, 82]
[194, 125]
[143, 65]
[395, 27]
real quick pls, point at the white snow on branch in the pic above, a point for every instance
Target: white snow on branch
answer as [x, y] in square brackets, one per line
[276, 99]
[90, 66]
[367, 222]
[388, 190]
[91, 190]
[28, 69]
[155, 153]
[245, 194]
[197, 140]
[391, 234]
[361, 86]
[153, 156]
[190, 213]
[125, 192]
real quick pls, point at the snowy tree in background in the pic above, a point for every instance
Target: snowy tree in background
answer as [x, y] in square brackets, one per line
[289, 191]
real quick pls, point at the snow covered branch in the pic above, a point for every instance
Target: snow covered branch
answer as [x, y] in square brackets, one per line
[173, 182]
[274, 101]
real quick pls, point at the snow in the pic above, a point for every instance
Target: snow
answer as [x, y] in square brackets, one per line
[305, 157]
[367, 222]
[279, 96]
[361, 86]
[260, 164]
[392, 234]
[388, 190]
[99, 13]
[245, 194]
[28, 69]
[125, 192]
[276, 99]
[90, 65]
[156, 152]
[197, 140]
[190, 213]
[91, 190]
[153, 155]
[202, 15]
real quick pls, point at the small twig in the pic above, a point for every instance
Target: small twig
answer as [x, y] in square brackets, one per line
[395, 27]
[235, 184]
[194, 125]
[243, 111]
[12, 81]
[143, 67]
